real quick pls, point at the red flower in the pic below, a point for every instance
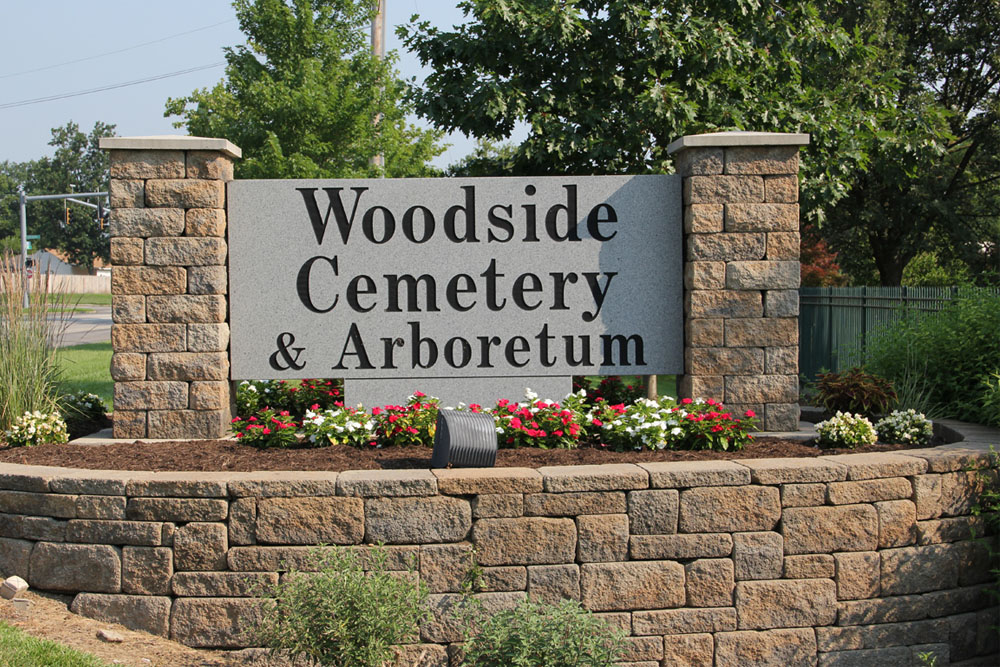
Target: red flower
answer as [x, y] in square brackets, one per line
[266, 431]
[314, 406]
[419, 394]
[749, 413]
[376, 412]
[597, 422]
[686, 401]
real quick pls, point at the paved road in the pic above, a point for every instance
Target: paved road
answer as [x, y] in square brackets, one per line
[94, 327]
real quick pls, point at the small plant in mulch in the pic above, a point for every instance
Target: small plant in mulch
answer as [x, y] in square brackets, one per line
[36, 428]
[410, 424]
[905, 427]
[83, 413]
[338, 426]
[855, 391]
[267, 428]
[846, 430]
[536, 422]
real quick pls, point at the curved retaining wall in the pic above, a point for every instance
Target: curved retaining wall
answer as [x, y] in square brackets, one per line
[857, 559]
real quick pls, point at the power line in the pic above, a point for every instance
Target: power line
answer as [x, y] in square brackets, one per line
[111, 53]
[62, 96]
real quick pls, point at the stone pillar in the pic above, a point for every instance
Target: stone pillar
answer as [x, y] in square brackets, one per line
[169, 285]
[741, 271]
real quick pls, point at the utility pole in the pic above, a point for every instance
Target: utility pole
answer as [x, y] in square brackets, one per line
[378, 50]
[23, 209]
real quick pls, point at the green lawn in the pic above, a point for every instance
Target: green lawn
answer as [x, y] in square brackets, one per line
[87, 368]
[18, 649]
[86, 299]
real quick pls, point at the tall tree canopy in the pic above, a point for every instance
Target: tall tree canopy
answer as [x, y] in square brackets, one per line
[76, 165]
[305, 98]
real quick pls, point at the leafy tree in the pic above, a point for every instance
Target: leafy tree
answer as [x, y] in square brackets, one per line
[819, 263]
[606, 85]
[305, 98]
[933, 179]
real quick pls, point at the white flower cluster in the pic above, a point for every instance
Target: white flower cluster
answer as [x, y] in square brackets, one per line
[651, 424]
[34, 428]
[339, 426]
[845, 429]
[905, 427]
[85, 404]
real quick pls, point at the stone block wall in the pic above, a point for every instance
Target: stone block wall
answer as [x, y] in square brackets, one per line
[169, 285]
[835, 560]
[741, 271]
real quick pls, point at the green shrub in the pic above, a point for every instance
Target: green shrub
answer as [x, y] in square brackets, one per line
[339, 611]
[854, 390]
[540, 635]
[957, 352]
[905, 427]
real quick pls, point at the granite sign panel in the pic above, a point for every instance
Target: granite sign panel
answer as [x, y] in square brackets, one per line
[455, 278]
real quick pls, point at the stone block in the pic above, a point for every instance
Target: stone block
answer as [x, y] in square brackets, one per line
[775, 648]
[387, 483]
[180, 510]
[919, 569]
[809, 530]
[707, 303]
[100, 507]
[185, 193]
[126, 193]
[148, 280]
[709, 582]
[781, 302]
[858, 575]
[209, 395]
[207, 280]
[42, 528]
[416, 520]
[700, 386]
[684, 474]
[701, 160]
[653, 512]
[445, 624]
[498, 506]
[188, 308]
[201, 546]
[128, 309]
[188, 365]
[136, 533]
[143, 164]
[186, 251]
[552, 584]
[422, 655]
[13, 587]
[281, 559]
[286, 485]
[525, 541]
[723, 189]
[469, 481]
[869, 491]
[632, 585]
[224, 584]
[574, 503]
[188, 424]
[151, 395]
[213, 622]
[445, 567]
[803, 495]
[126, 424]
[310, 520]
[15, 557]
[879, 464]
[788, 603]
[127, 366]
[766, 332]
[683, 621]
[209, 165]
[883, 610]
[810, 566]
[960, 492]
[146, 222]
[781, 417]
[953, 529]
[91, 482]
[705, 275]
[126, 251]
[760, 217]
[137, 612]
[726, 246]
[695, 650]
[505, 578]
[882, 635]
[147, 570]
[205, 222]
[38, 504]
[894, 655]
[680, 547]
[782, 245]
[602, 537]
[242, 521]
[783, 189]
[897, 523]
[724, 361]
[762, 160]
[607, 477]
[761, 388]
[95, 568]
[729, 509]
[762, 275]
[758, 555]
[642, 651]
[703, 332]
[703, 218]
[927, 496]
[205, 337]
[148, 337]
[792, 471]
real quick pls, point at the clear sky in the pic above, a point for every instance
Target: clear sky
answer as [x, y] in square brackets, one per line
[42, 39]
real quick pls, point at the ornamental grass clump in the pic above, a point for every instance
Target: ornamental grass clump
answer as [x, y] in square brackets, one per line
[846, 430]
[36, 428]
[342, 610]
[905, 427]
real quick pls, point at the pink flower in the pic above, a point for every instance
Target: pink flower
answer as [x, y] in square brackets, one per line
[266, 431]
[686, 401]
[749, 413]
[597, 422]
[419, 394]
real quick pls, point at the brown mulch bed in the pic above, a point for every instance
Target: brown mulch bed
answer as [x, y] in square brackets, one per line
[229, 455]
